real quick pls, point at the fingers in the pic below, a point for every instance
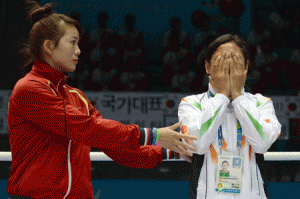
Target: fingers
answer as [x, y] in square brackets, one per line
[186, 146]
[239, 61]
[175, 126]
[226, 66]
[236, 58]
[183, 136]
[241, 58]
[232, 63]
[217, 64]
[184, 151]
[222, 63]
[218, 58]
[190, 142]
[230, 58]
[178, 147]
[236, 63]
[186, 157]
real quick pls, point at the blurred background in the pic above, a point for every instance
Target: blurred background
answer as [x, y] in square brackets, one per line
[152, 53]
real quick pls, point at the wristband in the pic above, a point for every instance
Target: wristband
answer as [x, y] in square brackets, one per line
[157, 144]
[154, 136]
[158, 135]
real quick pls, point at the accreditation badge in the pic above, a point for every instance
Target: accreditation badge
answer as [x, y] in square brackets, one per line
[229, 174]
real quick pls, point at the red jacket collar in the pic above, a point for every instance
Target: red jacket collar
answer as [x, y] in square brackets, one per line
[43, 69]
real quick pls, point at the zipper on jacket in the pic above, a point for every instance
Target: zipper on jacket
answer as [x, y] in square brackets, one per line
[69, 170]
[59, 83]
[69, 156]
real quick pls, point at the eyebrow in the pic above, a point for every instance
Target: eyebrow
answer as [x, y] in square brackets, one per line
[75, 37]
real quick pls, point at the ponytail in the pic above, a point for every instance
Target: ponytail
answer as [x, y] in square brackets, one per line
[36, 12]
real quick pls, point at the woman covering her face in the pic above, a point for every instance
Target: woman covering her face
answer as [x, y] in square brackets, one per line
[230, 124]
[52, 126]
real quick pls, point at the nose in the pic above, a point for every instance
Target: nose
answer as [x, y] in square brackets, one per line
[77, 51]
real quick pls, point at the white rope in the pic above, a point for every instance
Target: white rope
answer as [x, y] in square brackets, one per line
[100, 156]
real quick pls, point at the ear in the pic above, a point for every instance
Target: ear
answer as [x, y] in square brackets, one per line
[207, 67]
[48, 47]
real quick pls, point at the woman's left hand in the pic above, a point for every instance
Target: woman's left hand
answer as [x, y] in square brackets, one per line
[238, 74]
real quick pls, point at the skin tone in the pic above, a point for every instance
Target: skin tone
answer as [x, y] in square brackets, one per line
[63, 58]
[169, 140]
[227, 70]
[225, 167]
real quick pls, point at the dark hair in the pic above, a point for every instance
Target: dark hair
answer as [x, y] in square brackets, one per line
[213, 46]
[46, 25]
[225, 162]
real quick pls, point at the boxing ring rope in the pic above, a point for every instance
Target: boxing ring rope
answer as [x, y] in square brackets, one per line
[100, 156]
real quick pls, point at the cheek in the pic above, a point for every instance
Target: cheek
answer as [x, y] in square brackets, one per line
[63, 57]
[65, 53]
[68, 49]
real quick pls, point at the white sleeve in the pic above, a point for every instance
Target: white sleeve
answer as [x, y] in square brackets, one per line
[258, 121]
[202, 118]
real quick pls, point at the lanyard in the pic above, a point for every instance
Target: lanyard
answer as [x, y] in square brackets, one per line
[220, 136]
[239, 136]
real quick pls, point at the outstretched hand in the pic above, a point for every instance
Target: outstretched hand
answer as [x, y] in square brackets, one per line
[170, 139]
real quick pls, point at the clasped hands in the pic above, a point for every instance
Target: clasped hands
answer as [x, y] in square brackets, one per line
[228, 74]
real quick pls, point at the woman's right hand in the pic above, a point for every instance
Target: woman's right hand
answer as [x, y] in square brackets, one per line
[170, 139]
[219, 76]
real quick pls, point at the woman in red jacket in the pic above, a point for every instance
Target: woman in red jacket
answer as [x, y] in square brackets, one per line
[52, 126]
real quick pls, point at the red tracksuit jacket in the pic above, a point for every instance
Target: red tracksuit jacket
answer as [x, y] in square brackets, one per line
[52, 128]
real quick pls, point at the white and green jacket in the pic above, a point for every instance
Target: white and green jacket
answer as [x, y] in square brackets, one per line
[202, 116]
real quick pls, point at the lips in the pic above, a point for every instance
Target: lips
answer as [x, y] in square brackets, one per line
[76, 61]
